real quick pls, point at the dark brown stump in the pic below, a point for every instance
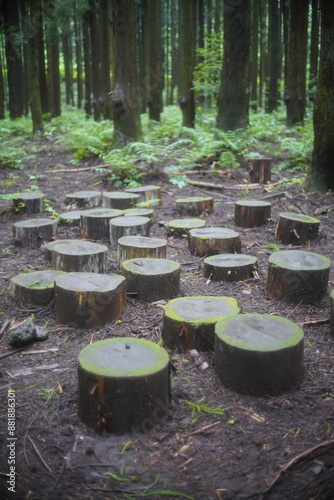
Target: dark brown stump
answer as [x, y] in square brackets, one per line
[181, 227]
[34, 232]
[296, 228]
[79, 256]
[35, 288]
[133, 247]
[89, 300]
[230, 267]
[251, 213]
[331, 322]
[84, 199]
[194, 205]
[258, 354]
[297, 276]
[70, 218]
[119, 200]
[94, 223]
[189, 322]
[150, 196]
[128, 226]
[214, 240]
[152, 279]
[29, 202]
[260, 170]
[124, 385]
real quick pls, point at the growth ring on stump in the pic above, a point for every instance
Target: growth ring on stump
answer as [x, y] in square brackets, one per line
[33, 233]
[84, 199]
[296, 228]
[189, 322]
[260, 170]
[94, 223]
[150, 196]
[29, 202]
[128, 226]
[194, 205]
[152, 279]
[124, 385]
[259, 354]
[132, 247]
[230, 267]
[119, 200]
[297, 276]
[181, 227]
[251, 213]
[213, 240]
[79, 256]
[36, 288]
[89, 300]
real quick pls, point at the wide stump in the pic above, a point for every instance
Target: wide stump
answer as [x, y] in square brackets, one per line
[297, 276]
[33, 233]
[296, 228]
[258, 354]
[94, 223]
[214, 240]
[251, 213]
[48, 247]
[230, 267]
[133, 247]
[119, 200]
[189, 322]
[194, 205]
[181, 227]
[260, 170]
[84, 199]
[79, 256]
[35, 288]
[89, 300]
[150, 196]
[29, 202]
[124, 385]
[152, 279]
[128, 226]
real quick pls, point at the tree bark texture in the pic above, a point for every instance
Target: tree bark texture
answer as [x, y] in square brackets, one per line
[187, 43]
[275, 59]
[33, 73]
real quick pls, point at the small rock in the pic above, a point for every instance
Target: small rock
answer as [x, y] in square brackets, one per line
[22, 335]
[41, 333]
[204, 366]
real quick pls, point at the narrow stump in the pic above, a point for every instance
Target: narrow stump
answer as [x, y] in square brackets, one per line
[189, 322]
[152, 279]
[35, 288]
[259, 354]
[150, 196]
[29, 202]
[34, 232]
[84, 199]
[230, 267]
[260, 170]
[297, 276]
[89, 300]
[79, 256]
[181, 227]
[94, 223]
[133, 247]
[119, 200]
[128, 226]
[194, 205]
[251, 213]
[214, 240]
[296, 228]
[124, 385]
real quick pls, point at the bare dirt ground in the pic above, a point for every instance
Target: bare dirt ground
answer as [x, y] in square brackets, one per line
[261, 447]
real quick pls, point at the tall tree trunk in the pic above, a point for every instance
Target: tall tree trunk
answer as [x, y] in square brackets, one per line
[96, 58]
[78, 57]
[43, 86]
[295, 98]
[254, 48]
[285, 15]
[314, 50]
[233, 97]
[174, 50]
[105, 17]
[2, 91]
[274, 52]
[87, 64]
[218, 16]
[263, 51]
[52, 44]
[68, 64]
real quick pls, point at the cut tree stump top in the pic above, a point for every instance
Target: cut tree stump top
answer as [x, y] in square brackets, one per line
[102, 213]
[150, 266]
[88, 282]
[79, 247]
[185, 224]
[299, 260]
[71, 217]
[87, 199]
[299, 217]
[119, 199]
[201, 309]
[142, 242]
[130, 221]
[230, 260]
[48, 247]
[37, 279]
[135, 212]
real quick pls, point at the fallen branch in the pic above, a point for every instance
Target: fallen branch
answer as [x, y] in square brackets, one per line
[38, 453]
[315, 322]
[205, 184]
[202, 429]
[82, 169]
[11, 352]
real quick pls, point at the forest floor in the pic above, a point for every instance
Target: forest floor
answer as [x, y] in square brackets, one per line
[261, 447]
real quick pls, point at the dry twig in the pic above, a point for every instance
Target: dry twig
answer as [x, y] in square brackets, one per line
[38, 453]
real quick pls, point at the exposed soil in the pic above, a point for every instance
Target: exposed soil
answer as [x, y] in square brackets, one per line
[261, 448]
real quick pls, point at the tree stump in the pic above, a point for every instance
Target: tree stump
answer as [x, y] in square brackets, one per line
[128, 226]
[79, 256]
[94, 223]
[133, 247]
[297, 276]
[251, 213]
[29, 202]
[135, 212]
[89, 300]
[150, 196]
[84, 199]
[71, 218]
[152, 279]
[33, 233]
[331, 321]
[214, 240]
[230, 267]
[119, 200]
[124, 385]
[35, 288]
[189, 322]
[194, 205]
[181, 227]
[296, 228]
[260, 170]
[50, 246]
[258, 354]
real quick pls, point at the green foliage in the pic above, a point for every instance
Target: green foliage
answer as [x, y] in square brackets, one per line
[200, 407]
[208, 71]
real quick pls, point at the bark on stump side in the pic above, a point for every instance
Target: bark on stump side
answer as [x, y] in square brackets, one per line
[34, 232]
[150, 196]
[35, 288]
[79, 256]
[194, 206]
[143, 212]
[94, 223]
[251, 213]
[152, 279]
[181, 227]
[29, 202]
[84, 199]
[296, 228]
[230, 267]
[119, 200]
[48, 247]
[297, 276]
[260, 170]
[133, 247]
[128, 226]
[89, 300]
[70, 218]
[331, 321]
[258, 354]
[124, 385]
[189, 322]
[214, 240]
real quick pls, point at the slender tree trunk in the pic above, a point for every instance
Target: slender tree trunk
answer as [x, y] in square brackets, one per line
[105, 16]
[274, 38]
[78, 57]
[87, 65]
[32, 67]
[67, 54]
[174, 51]
[285, 15]
[52, 42]
[43, 86]
[314, 47]
[218, 16]
[263, 52]
[254, 48]
[2, 92]
[96, 58]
